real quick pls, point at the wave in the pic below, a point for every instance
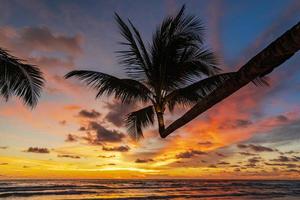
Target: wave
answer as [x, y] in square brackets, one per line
[152, 189]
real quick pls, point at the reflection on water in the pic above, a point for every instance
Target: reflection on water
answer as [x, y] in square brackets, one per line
[149, 189]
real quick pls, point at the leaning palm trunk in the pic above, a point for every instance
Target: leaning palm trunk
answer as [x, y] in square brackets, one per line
[262, 64]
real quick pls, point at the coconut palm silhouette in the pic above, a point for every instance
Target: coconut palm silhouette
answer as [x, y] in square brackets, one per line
[19, 79]
[166, 73]
[176, 69]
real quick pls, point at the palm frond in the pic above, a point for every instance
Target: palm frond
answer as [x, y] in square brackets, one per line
[261, 81]
[178, 55]
[127, 90]
[137, 120]
[134, 59]
[19, 79]
[196, 91]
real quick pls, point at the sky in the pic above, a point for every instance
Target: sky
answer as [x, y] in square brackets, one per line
[253, 134]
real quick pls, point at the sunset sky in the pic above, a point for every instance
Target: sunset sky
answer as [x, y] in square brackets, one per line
[255, 133]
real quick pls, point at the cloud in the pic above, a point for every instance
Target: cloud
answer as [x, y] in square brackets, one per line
[287, 165]
[31, 42]
[220, 154]
[239, 123]
[3, 163]
[118, 148]
[3, 147]
[37, 150]
[42, 38]
[117, 112]
[82, 128]
[247, 154]
[89, 114]
[190, 154]
[101, 156]
[105, 135]
[256, 148]
[286, 159]
[252, 162]
[108, 164]
[205, 144]
[143, 160]
[68, 156]
[285, 133]
[62, 122]
[282, 118]
[71, 138]
[223, 163]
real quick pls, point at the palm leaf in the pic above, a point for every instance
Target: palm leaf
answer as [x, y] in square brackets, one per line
[138, 120]
[19, 79]
[134, 59]
[178, 55]
[195, 92]
[127, 90]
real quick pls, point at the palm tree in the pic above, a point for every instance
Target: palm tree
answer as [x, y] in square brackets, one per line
[174, 69]
[19, 79]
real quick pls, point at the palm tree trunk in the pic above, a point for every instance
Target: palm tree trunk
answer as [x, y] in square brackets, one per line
[161, 124]
[260, 65]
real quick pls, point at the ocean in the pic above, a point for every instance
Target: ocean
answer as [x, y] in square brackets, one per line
[149, 189]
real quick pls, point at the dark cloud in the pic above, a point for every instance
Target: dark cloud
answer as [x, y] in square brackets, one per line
[68, 156]
[37, 150]
[119, 148]
[91, 139]
[220, 154]
[105, 135]
[282, 118]
[252, 162]
[71, 138]
[239, 123]
[291, 152]
[287, 165]
[286, 159]
[237, 169]
[190, 154]
[3, 163]
[3, 147]
[223, 163]
[82, 128]
[242, 146]
[93, 114]
[117, 112]
[247, 154]
[143, 160]
[256, 148]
